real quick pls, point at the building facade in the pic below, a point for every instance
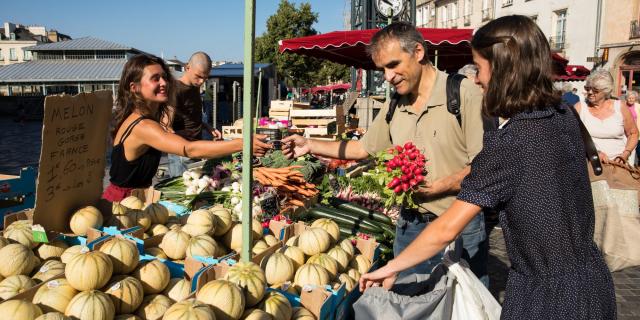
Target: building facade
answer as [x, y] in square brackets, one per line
[15, 37]
[454, 14]
[570, 25]
[620, 43]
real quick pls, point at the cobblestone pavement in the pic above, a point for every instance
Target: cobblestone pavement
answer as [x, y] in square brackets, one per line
[20, 146]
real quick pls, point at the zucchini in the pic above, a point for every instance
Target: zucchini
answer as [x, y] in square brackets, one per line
[360, 210]
[345, 221]
[351, 216]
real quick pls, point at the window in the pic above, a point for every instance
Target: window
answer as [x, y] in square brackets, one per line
[454, 11]
[12, 36]
[27, 55]
[467, 8]
[12, 54]
[443, 15]
[558, 40]
[506, 3]
[486, 10]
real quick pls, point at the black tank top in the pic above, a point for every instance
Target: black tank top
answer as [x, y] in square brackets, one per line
[137, 173]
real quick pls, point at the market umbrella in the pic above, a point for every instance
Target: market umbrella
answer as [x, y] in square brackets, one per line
[451, 46]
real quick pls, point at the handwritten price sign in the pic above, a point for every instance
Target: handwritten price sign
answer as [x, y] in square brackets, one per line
[72, 159]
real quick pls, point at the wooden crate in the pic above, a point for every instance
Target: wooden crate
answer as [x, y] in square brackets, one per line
[232, 132]
[281, 105]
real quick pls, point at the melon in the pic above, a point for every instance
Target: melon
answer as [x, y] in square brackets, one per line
[202, 245]
[286, 287]
[311, 274]
[158, 229]
[191, 309]
[89, 305]
[360, 263]
[35, 262]
[277, 305]
[156, 252]
[16, 259]
[127, 317]
[89, 271]
[248, 276]
[19, 309]
[132, 202]
[256, 314]
[13, 285]
[326, 262]
[313, 241]
[259, 247]
[178, 289]
[142, 218]
[349, 283]
[53, 249]
[154, 307]
[154, 276]
[296, 255]
[174, 244]
[200, 222]
[3, 242]
[71, 252]
[271, 240]
[340, 256]
[158, 213]
[123, 221]
[85, 218]
[118, 209]
[329, 226]
[233, 238]
[48, 270]
[354, 274]
[348, 247]
[54, 295]
[125, 293]
[225, 298]
[292, 242]
[222, 219]
[123, 254]
[279, 268]
[300, 313]
[21, 233]
[53, 316]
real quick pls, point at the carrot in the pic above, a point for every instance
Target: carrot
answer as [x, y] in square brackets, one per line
[276, 170]
[296, 202]
[310, 185]
[294, 167]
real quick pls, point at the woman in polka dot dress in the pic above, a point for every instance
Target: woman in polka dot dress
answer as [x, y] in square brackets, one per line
[533, 170]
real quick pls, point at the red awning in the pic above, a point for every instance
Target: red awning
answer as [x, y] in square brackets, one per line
[574, 73]
[334, 87]
[349, 47]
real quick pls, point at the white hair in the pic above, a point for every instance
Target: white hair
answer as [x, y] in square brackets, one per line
[602, 80]
[468, 70]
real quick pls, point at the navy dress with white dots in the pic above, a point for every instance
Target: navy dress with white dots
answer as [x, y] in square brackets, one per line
[533, 170]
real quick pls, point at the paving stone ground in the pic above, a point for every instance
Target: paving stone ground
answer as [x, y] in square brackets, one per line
[20, 146]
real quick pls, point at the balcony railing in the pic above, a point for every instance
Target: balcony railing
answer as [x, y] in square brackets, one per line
[506, 3]
[557, 43]
[634, 31]
[487, 14]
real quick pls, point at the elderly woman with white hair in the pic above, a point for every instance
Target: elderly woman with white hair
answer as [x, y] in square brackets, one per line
[634, 108]
[610, 124]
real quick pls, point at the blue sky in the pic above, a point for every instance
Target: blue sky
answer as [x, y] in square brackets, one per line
[171, 28]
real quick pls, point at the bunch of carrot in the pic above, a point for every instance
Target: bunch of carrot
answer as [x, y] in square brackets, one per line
[288, 181]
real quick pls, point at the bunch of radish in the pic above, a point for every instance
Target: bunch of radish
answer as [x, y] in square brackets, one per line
[406, 168]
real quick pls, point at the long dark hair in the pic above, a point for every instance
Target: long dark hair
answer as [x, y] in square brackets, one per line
[521, 66]
[128, 100]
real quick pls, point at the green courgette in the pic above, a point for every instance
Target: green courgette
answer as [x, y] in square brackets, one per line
[336, 212]
[360, 210]
[345, 221]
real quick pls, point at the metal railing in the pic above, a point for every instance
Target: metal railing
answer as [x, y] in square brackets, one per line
[557, 43]
[506, 3]
[487, 14]
[634, 30]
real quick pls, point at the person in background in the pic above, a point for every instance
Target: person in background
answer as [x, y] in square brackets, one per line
[421, 117]
[611, 126]
[534, 169]
[187, 117]
[634, 107]
[568, 96]
[470, 71]
[207, 112]
[141, 134]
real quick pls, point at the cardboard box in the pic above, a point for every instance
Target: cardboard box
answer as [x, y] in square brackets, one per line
[280, 105]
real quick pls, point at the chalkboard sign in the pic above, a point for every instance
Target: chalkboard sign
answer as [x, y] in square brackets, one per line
[72, 158]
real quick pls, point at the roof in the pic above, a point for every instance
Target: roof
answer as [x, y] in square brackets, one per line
[86, 43]
[233, 70]
[62, 71]
[22, 34]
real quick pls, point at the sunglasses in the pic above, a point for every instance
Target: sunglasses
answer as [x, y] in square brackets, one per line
[592, 89]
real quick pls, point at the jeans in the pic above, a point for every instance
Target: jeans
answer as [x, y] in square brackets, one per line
[474, 238]
[177, 164]
[637, 153]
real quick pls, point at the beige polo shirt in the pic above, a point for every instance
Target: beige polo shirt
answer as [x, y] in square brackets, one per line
[447, 146]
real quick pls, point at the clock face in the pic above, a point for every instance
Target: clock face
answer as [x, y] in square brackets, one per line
[390, 7]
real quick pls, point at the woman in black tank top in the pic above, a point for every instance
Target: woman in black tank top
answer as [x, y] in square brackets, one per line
[141, 132]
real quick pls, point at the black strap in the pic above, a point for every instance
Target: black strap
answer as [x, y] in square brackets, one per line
[453, 95]
[589, 146]
[127, 131]
[392, 107]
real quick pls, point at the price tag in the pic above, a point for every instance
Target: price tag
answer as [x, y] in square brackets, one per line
[39, 235]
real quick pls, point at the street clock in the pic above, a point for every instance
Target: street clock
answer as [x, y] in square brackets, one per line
[389, 8]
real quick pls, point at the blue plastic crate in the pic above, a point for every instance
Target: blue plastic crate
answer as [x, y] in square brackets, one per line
[17, 192]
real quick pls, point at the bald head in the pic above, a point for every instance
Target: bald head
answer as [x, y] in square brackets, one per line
[198, 68]
[200, 60]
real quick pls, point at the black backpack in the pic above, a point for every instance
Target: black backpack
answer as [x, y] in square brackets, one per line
[453, 103]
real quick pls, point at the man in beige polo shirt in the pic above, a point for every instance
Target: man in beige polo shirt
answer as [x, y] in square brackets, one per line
[422, 117]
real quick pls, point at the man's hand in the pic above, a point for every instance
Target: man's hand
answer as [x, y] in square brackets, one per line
[383, 276]
[435, 188]
[260, 147]
[295, 146]
[217, 135]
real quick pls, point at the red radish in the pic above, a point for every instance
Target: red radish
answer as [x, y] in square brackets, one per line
[397, 189]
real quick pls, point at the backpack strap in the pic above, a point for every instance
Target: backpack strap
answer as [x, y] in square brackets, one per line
[392, 107]
[453, 95]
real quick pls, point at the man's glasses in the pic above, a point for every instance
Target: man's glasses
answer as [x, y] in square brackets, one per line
[592, 89]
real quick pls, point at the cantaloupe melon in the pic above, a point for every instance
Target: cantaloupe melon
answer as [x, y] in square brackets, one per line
[19, 309]
[125, 293]
[123, 254]
[225, 298]
[13, 285]
[154, 276]
[89, 270]
[85, 218]
[248, 276]
[190, 309]
[54, 295]
[92, 304]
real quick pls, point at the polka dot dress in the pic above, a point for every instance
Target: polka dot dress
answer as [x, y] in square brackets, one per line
[534, 171]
